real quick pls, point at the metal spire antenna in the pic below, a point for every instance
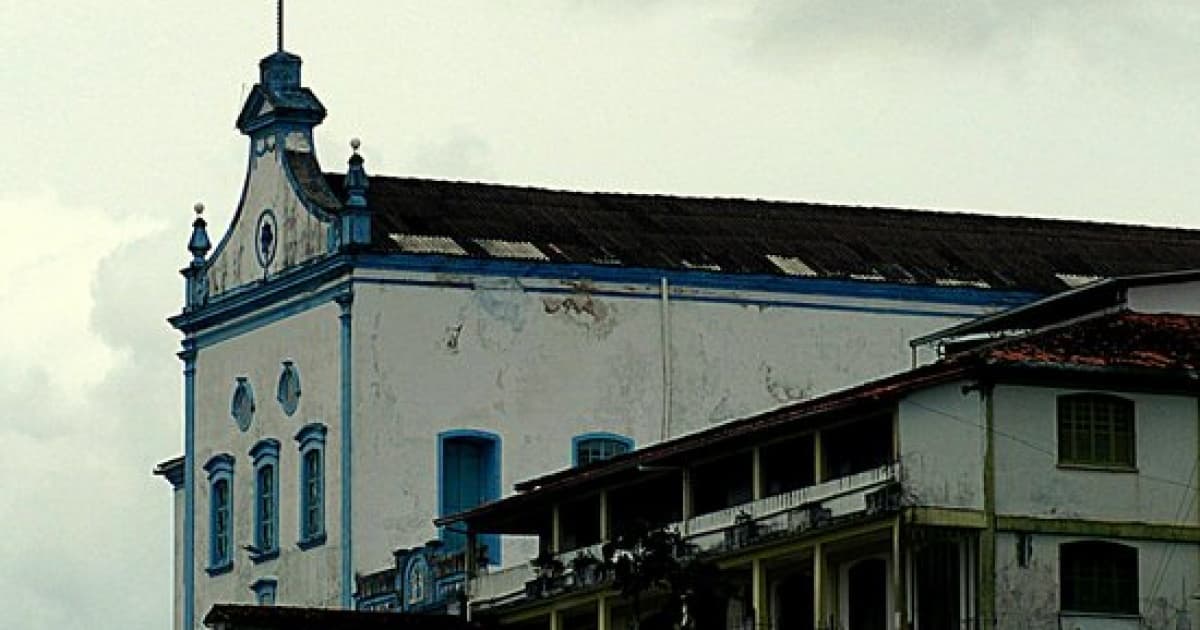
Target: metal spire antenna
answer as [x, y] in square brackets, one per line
[279, 25]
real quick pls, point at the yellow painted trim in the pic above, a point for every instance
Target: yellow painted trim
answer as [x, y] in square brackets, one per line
[946, 517]
[1109, 529]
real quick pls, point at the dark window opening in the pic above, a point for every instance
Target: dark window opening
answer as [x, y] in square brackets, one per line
[579, 522]
[858, 446]
[723, 483]
[868, 595]
[657, 502]
[936, 569]
[1099, 577]
[1096, 430]
[787, 465]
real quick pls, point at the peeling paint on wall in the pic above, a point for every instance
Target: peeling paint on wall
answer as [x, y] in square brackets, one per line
[784, 390]
[584, 310]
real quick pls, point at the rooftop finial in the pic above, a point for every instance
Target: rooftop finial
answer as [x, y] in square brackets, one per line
[279, 25]
[356, 178]
[199, 244]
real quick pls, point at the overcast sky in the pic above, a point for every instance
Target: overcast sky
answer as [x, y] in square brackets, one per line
[115, 117]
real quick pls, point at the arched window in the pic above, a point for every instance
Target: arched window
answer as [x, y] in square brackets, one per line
[1096, 430]
[468, 475]
[312, 484]
[220, 514]
[265, 456]
[595, 447]
[1098, 577]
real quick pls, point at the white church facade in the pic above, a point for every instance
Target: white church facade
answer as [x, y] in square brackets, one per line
[364, 354]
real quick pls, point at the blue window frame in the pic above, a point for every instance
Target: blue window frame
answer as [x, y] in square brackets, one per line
[468, 475]
[595, 447]
[220, 513]
[265, 456]
[312, 484]
[264, 590]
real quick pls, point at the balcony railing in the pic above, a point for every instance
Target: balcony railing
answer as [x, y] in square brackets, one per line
[790, 512]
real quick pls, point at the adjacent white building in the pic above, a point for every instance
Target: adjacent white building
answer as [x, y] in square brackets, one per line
[362, 354]
[1047, 479]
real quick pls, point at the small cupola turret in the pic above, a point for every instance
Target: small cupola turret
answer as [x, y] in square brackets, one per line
[278, 100]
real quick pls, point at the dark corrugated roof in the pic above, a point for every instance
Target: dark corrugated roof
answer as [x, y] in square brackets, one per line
[1166, 345]
[770, 237]
[292, 618]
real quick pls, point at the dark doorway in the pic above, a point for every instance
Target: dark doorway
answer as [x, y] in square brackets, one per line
[868, 595]
[794, 602]
[937, 586]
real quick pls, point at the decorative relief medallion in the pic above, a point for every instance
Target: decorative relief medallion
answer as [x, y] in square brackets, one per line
[267, 238]
[242, 406]
[288, 392]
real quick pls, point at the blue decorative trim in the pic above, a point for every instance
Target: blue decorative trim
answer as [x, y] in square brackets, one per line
[220, 553]
[251, 298]
[700, 279]
[188, 355]
[265, 454]
[265, 589]
[311, 438]
[288, 390]
[345, 316]
[312, 541]
[627, 442]
[491, 485]
[263, 318]
[241, 405]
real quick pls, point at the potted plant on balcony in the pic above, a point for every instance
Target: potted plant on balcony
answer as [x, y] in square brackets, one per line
[548, 575]
[587, 568]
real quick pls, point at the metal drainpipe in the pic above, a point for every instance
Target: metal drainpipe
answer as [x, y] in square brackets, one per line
[665, 431]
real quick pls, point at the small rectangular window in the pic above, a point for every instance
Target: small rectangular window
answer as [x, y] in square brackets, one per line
[1096, 430]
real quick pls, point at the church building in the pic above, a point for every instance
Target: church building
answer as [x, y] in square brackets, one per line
[363, 354]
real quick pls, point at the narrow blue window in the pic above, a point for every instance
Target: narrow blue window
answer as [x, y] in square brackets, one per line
[596, 447]
[265, 455]
[312, 484]
[220, 515]
[468, 476]
[264, 590]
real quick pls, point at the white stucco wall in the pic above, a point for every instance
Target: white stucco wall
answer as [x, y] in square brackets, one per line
[311, 340]
[540, 368]
[1029, 482]
[1028, 597]
[300, 236]
[1183, 297]
[942, 446]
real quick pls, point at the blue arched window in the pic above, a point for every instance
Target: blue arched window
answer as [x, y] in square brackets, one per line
[220, 513]
[468, 475]
[312, 484]
[595, 447]
[265, 456]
